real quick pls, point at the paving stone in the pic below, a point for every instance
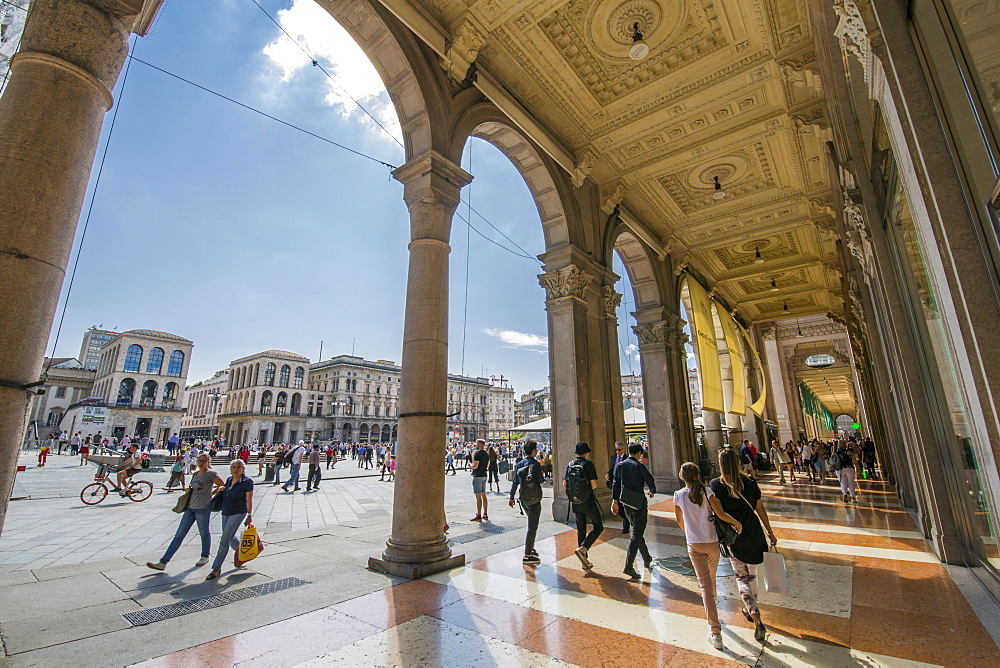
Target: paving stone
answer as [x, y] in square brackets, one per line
[57, 596]
[24, 635]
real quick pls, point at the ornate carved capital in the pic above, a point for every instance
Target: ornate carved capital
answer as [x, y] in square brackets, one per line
[583, 167]
[654, 332]
[612, 300]
[802, 74]
[612, 197]
[857, 232]
[569, 281]
[682, 263]
[669, 332]
[463, 50]
[853, 35]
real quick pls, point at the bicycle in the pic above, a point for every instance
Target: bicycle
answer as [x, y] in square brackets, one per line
[95, 492]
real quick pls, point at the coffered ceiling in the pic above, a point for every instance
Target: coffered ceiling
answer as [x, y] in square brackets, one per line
[729, 89]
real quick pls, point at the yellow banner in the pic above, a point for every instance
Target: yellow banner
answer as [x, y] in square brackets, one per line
[706, 347]
[738, 406]
[757, 406]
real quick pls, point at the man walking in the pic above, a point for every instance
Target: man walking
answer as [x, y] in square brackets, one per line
[609, 477]
[528, 477]
[480, 464]
[75, 443]
[627, 497]
[315, 472]
[172, 443]
[579, 483]
[294, 458]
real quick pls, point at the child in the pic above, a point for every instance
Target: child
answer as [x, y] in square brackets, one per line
[43, 454]
[392, 468]
[693, 508]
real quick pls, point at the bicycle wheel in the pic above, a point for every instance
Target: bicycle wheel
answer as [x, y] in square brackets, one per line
[140, 491]
[94, 493]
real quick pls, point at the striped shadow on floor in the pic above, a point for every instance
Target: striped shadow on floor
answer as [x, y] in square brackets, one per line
[158, 614]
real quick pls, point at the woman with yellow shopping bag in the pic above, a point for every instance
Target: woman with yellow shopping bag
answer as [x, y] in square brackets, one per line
[237, 505]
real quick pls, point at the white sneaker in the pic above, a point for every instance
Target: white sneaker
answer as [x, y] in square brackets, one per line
[716, 640]
[157, 566]
[581, 553]
[201, 562]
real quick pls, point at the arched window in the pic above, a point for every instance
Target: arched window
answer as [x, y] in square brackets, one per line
[154, 363]
[280, 406]
[133, 357]
[300, 375]
[269, 374]
[296, 404]
[169, 395]
[176, 364]
[265, 402]
[148, 396]
[125, 392]
[285, 373]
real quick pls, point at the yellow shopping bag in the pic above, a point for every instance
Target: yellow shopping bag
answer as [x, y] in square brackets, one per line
[251, 545]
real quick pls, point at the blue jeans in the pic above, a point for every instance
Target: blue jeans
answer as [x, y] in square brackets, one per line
[190, 516]
[230, 525]
[293, 476]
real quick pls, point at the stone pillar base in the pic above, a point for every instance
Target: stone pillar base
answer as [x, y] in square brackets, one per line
[415, 571]
[666, 485]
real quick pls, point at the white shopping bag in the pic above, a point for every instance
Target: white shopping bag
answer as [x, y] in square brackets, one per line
[775, 577]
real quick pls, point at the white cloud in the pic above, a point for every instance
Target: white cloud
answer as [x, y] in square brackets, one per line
[519, 339]
[338, 53]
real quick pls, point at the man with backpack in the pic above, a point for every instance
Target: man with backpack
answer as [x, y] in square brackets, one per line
[579, 482]
[294, 459]
[528, 477]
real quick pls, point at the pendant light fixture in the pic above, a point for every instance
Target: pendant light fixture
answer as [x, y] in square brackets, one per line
[757, 259]
[719, 192]
[774, 286]
[639, 48]
[784, 307]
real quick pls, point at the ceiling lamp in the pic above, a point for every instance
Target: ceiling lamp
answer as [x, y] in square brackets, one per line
[774, 286]
[719, 192]
[757, 259]
[784, 307]
[639, 48]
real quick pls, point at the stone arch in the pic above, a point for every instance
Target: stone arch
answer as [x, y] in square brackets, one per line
[638, 260]
[548, 184]
[408, 69]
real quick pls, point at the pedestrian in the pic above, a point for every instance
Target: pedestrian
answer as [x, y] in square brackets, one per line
[294, 459]
[63, 441]
[781, 461]
[694, 505]
[849, 456]
[528, 477]
[480, 464]
[868, 457]
[631, 476]
[820, 454]
[84, 449]
[237, 505]
[493, 470]
[172, 443]
[76, 442]
[579, 483]
[806, 455]
[392, 467]
[330, 457]
[449, 460]
[315, 473]
[609, 477]
[261, 458]
[203, 484]
[43, 454]
[176, 473]
[741, 499]
[278, 461]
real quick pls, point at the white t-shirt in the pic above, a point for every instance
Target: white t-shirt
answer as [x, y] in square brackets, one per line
[697, 527]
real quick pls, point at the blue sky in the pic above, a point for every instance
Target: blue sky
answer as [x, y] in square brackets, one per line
[241, 234]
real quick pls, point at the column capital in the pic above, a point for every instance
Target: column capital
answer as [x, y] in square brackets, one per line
[612, 300]
[667, 332]
[431, 177]
[571, 281]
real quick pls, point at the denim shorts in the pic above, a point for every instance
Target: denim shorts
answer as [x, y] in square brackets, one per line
[479, 484]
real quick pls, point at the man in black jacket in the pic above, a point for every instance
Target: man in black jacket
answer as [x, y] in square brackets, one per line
[579, 484]
[609, 477]
[628, 498]
[528, 476]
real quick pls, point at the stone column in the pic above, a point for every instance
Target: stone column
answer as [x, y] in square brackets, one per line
[713, 435]
[418, 545]
[50, 120]
[658, 343]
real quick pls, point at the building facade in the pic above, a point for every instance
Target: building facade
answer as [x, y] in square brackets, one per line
[632, 391]
[90, 350]
[67, 382]
[265, 399]
[205, 401]
[500, 417]
[534, 405]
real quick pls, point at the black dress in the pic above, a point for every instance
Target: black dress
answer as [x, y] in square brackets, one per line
[751, 544]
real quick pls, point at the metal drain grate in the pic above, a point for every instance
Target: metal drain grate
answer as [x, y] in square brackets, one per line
[486, 531]
[150, 615]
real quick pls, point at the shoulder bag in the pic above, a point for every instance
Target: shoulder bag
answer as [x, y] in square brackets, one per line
[182, 501]
[726, 531]
[631, 498]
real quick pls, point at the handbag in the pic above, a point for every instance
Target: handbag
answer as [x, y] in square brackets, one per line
[726, 533]
[775, 575]
[182, 501]
[215, 503]
[631, 498]
[503, 466]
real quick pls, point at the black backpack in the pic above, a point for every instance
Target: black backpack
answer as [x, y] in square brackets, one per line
[529, 485]
[577, 484]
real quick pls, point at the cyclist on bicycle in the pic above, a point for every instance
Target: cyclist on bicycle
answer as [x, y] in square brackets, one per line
[127, 468]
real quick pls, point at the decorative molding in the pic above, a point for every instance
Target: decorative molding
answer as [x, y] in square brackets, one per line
[831, 328]
[681, 264]
[802, 74]
[612, 197]
[612, 300]
[569, 281]
[857, 232]
[853, 35]
[652, 333]
[669, 332]
[463, 51]
[583, 167]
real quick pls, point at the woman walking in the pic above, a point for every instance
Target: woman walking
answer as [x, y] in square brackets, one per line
[741, 498]
[203, 485]
[850, 456]
[237, 506]
[693, 508]
[781, 460]
[176, 473]
[493, 469]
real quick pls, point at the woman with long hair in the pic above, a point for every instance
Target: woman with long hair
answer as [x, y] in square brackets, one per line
[493, 470]
[741, 498]
[693, 508]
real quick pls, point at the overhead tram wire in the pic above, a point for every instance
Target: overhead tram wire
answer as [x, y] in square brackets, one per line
[264, 113]
[330, 76]
[90, 208]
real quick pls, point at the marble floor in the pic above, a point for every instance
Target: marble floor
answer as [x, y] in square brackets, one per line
[865, 591]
